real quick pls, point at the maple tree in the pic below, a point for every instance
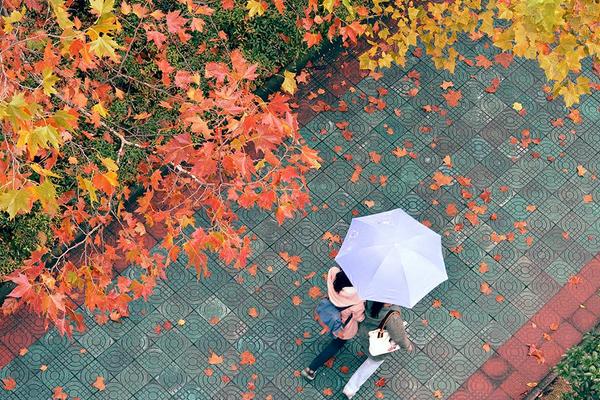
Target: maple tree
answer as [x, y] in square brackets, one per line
[197, 142]
[558, 34]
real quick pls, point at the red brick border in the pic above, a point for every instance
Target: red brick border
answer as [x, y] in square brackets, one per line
[575, 308]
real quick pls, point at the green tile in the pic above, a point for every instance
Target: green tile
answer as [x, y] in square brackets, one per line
[457, 333]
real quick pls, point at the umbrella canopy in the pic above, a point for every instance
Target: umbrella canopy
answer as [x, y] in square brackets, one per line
[392, 258]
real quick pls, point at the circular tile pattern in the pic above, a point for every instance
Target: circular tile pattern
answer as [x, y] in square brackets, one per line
[175, 308]
[172, 378]
[268, 329]
[114, 358]
[133, 377]
[152, 391]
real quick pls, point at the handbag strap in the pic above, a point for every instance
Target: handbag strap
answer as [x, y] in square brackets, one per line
[385, 319]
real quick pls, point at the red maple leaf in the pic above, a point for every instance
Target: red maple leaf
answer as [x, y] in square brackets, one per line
[9, 383]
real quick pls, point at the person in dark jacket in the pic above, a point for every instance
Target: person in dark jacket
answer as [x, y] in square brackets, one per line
[342, 294]
[375, 312]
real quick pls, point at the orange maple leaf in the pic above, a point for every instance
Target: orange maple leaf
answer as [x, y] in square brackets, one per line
[375, 157]
[315, 292]
[247, 358]
[448, 161]
[58, 394]
[485, 289]
[452, 97]
[504, 59]
[483, 267]
[356, 174]
[99, 383]
[482, 61]
[575, 280]
[312, 39]
[399, 152]
[451, 210]
[537, 353]
[441, 180]
[380, 382]
[214, 359]
[280, 6]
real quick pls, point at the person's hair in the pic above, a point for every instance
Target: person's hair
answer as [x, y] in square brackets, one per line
[341, 281]
[376, 308]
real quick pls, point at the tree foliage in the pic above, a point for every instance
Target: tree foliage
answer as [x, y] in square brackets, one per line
[97, 95]
[558, 34]
[204, 147]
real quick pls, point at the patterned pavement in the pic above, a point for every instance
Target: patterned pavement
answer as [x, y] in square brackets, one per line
[536, 228]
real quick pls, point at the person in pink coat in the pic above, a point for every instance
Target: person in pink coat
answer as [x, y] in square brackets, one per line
[344, 296]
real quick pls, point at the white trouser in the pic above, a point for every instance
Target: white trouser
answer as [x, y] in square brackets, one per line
[361, 375]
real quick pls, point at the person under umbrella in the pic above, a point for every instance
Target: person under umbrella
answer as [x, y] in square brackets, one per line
[344, 301]
[376, 312]
[392, 260]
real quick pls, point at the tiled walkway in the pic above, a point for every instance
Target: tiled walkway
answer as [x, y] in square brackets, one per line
[260, 320]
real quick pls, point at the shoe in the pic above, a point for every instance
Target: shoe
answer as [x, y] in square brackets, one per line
[348, 394]
[308, 374]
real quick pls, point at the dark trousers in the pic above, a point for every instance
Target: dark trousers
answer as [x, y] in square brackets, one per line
[329, 351]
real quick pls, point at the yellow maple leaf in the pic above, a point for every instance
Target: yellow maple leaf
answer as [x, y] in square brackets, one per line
[102, 7]
[48, 81]
[46, 193]
[109, 164]
[15, 200]
[88, 186]
[99, 108]
[15, 16]
[289, 82]
[104, 46]
[255, 8]
[41, 137]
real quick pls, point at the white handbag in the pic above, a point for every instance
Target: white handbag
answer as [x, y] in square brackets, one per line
[379, 339]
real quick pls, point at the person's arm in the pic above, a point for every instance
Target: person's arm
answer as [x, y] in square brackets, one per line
[358, 312]
[395, 327]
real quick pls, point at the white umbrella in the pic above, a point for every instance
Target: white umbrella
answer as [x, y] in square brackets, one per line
[392, 258]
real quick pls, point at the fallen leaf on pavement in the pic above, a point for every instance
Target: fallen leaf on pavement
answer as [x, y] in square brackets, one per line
[99, 383]
[537, 353]
[452, 97]
[214, 359]
[247, 358]
[9, 383]
[58, 394]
